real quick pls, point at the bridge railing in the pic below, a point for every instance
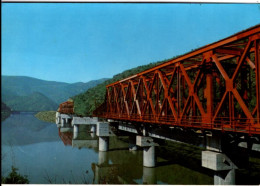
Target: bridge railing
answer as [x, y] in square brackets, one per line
[224, 124]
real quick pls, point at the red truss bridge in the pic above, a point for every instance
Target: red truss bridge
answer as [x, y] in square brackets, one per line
[216, 87]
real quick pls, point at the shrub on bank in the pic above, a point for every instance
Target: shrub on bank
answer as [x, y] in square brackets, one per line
[14, 178]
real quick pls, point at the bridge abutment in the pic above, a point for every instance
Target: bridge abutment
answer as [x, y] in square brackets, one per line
[75, 131]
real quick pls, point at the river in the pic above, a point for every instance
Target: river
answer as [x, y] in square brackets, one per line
[50, 156]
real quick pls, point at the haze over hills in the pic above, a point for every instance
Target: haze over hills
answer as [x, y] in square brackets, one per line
[24, 93]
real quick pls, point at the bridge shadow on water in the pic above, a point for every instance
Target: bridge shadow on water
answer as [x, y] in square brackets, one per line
[182, 154]
[189, 156]
[119, 149]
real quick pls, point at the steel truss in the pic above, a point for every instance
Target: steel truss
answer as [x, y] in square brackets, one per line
[66, 107]
[215, 87]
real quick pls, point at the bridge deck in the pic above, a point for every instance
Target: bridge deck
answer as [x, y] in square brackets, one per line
[214, 87]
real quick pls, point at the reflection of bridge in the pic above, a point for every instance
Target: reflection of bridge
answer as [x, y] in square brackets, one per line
[213, 91]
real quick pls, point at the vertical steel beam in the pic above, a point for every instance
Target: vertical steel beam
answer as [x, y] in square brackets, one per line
[257, 71]
[209, 96]
[179, 90]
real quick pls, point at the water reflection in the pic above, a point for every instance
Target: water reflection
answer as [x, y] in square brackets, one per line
[24, 129]
[66, 137]
[149, 176]
[123, 166]
[36, 149]
[42, 151]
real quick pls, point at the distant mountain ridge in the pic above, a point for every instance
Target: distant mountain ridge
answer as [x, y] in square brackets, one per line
[33, 102]
[24, 93]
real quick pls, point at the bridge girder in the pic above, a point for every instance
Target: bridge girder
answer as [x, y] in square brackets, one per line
[215, 87]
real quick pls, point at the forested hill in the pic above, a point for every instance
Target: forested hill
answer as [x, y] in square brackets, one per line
[85, 103]
[33, 102]
[23, 93]
[5, 111]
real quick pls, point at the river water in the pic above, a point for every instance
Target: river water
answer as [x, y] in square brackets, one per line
[48, 155]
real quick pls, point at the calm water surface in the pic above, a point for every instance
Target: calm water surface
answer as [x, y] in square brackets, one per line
[38, 149]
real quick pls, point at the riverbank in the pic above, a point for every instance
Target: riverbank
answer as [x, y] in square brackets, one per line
[47, 116]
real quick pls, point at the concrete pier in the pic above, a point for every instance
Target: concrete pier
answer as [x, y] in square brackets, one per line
[149, 158]
[93, 128]
[93, 135]
[58, 118]
[224, 168]
[75, 131]
[64, 120]
[103, 133]
[226, 177]
[215, 158]
[103, 144]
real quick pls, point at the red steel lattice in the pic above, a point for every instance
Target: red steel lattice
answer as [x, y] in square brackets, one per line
[215, 87]
[66, 107]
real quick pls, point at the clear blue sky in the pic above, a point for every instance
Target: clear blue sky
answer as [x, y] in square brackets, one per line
[79, 42]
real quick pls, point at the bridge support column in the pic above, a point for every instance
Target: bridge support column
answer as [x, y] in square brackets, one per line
[63, 122]
[58, 118]
[224, 168]
[103, 133]
[149, 158]
[216, 159]
[75, 131]
[93, 128]
[103, 143]
[224, 177]
[93, 135]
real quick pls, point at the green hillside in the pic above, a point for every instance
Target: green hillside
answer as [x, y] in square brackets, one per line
[5, 111]
[58, 92]
[22, 93]
[47, 116]
[33, 102]
[85, 103]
